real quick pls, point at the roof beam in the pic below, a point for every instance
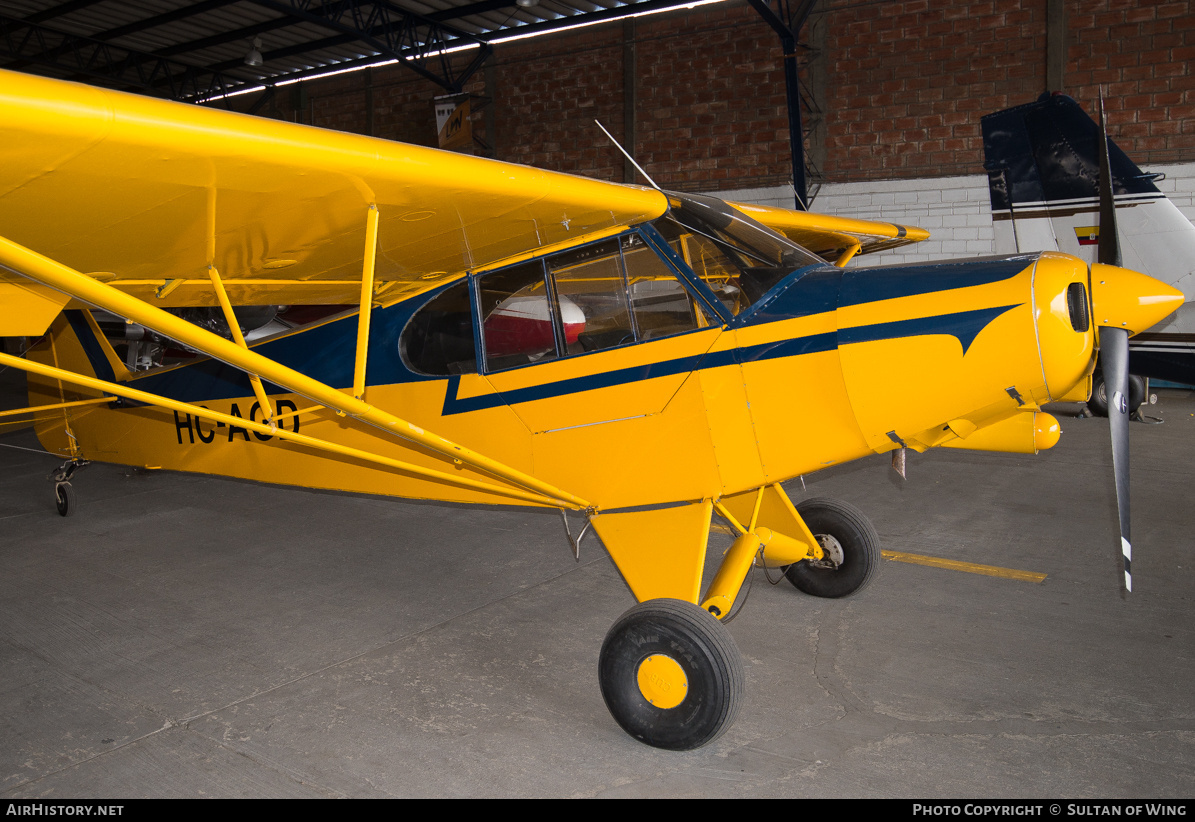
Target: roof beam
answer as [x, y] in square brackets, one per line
[121, 31]
[149, 73]
[59, 10]
[392, 32]
[787, 22]
[243, 33]
[163, 18]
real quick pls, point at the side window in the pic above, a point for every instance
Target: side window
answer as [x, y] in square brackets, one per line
[615, 292]
[661, 305]
[516, 317]
[593, 298]
[710, 263]
[439, 338]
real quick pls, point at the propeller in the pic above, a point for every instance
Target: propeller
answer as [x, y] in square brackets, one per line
[1108, 248]
[1124, 302]
[1114, 353]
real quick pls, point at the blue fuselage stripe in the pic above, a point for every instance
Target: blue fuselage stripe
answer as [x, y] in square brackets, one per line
[964, 326]
[326, 353]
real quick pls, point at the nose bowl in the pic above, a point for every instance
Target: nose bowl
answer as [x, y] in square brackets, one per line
[1128, 299]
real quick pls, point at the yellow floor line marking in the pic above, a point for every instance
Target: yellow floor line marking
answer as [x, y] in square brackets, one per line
[969, 567]
[936, 562]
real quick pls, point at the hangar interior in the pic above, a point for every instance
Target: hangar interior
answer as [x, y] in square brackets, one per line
[185, 635]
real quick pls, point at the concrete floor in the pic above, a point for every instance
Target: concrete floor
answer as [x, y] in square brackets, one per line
[187, 636]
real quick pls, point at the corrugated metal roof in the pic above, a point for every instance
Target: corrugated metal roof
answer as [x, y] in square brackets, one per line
[192, 50]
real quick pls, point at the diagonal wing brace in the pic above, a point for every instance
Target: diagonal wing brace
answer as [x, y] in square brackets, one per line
[62, 278]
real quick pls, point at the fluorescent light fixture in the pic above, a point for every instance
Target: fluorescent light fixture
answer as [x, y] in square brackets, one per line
[455, 49]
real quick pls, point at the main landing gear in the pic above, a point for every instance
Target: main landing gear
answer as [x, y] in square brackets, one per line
[671, 674]
[1099, 394]
[850, 545]
[65, 498]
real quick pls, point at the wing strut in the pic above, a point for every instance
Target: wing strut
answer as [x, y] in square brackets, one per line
[58, 276]
[234, 326]
[259, 428]
[37, 409]
[367, 274]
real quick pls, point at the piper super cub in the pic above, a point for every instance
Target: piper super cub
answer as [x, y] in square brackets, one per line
[509, 335]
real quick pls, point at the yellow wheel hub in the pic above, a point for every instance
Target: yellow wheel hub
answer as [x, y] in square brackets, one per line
[662, 681]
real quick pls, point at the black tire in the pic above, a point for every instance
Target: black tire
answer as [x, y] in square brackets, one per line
[65, 499]
[852, 550]
[1099, 394]
[701, 648]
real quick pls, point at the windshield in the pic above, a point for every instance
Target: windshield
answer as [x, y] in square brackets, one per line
[740, 259]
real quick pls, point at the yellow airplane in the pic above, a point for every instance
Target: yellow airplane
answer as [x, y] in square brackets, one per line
[513, 336]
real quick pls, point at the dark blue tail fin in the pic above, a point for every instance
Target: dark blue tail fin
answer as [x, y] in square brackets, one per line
[1046, 151]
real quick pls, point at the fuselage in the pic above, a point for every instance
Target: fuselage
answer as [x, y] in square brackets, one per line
[828, 365]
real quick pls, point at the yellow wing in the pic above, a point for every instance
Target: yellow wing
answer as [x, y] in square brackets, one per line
[145, 195]
[830, 236]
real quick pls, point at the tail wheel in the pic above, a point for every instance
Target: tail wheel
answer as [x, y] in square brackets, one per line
[671, 674]
[65, 498]
[850, 544]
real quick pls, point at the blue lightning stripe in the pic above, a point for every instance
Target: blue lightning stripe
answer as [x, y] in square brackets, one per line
[573, 385]
[965, 326]
[212, 380]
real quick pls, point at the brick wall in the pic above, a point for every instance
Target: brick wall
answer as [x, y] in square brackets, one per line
[548, 92]
[908, 81]
[1141, 52]
[905, 83]
[911, 79]
[711, 101]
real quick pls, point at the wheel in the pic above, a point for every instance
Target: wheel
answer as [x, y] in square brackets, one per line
[850, 544]
[1099, 394]
[65, 498]
[1136, 392]
[671, 674]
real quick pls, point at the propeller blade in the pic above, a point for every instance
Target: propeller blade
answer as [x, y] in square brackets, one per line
[1114, 353]
[1108, 247]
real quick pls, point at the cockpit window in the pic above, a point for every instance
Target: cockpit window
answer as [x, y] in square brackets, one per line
[517, 322]
[661, 305]
[738, 258]
[439, 338]
[599, 296]
[592, 298]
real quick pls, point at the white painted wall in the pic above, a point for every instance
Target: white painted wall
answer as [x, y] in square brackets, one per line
[955, 210]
